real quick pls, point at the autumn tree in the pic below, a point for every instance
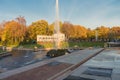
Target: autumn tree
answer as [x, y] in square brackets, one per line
[21, 20]
[115, 33]
[74, 31]
[13, 33]
[90, 34]
[51, 29]
[38, 28]
[103, 32]
[68, 29]
[1, 31]
[80, 32]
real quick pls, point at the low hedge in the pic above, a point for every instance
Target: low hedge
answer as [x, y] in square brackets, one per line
[56, 53]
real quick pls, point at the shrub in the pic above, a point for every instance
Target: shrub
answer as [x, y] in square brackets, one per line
[56, 53]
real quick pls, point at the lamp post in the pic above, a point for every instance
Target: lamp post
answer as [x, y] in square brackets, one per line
[96, 35]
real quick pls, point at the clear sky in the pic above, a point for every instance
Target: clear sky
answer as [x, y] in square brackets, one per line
[89, 13]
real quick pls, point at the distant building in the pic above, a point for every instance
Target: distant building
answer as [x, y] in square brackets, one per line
[54, 37]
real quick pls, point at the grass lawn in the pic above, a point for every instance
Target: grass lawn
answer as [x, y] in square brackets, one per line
[86, 44]
[1, 51]
[29, 45]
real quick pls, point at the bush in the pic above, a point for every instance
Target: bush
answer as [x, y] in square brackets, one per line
[56, 53]
[64, 44]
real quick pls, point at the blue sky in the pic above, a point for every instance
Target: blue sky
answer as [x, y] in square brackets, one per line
[89, 13]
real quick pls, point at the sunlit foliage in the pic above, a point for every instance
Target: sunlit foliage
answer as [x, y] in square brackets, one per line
[15, 31]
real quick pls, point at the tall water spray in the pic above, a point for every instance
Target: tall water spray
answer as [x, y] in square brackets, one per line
[57, 28]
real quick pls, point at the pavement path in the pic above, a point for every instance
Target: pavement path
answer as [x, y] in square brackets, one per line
[59, 64]
[104, 66]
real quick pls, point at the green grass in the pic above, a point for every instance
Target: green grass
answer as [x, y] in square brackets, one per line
[29, 46]
[86, 44]
[46, 45]
[1, 51]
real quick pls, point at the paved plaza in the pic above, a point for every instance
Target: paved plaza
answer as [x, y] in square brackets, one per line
[46, 69]
[104, 66]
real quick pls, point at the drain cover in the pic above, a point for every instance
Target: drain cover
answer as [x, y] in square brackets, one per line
[76, 78]
[98, 72]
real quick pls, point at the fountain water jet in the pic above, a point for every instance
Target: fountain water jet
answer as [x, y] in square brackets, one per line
[57, 29]
[57, 34]
[57, 37]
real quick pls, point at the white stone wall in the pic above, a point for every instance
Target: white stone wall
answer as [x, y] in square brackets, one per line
[44, 38]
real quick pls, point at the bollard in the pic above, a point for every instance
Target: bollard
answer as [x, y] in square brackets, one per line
[35, 48]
